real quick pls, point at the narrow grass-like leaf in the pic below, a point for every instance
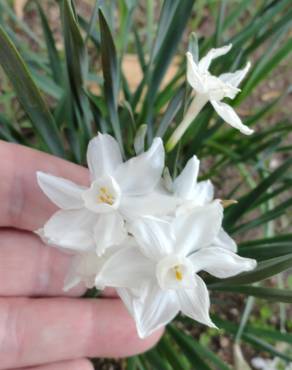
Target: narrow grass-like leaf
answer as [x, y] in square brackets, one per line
[260, 72]
[176, 359]
[234, 213]
[264, 346]
[156, 362]
[111, 75]
[75, 52]
[192, 349]
[270, 294]
[29, 95]
[55, 63]
[264, 270]
[268, 334]
[164, 55]
[174, 105]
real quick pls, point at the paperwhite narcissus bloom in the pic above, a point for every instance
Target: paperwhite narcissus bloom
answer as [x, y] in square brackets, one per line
[191, 193]
[188, 190]
[86, 266]
[213, 89]
[161, 278]
[94, 218]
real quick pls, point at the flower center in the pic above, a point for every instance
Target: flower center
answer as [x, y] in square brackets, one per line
[174, 272]
[104, 196]
[178, 273]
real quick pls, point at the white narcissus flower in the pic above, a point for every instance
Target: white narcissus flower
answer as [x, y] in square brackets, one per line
[188, 190]
[162, 278]
[208, 87]
[94, 218]
[191, 193]
[85, 266]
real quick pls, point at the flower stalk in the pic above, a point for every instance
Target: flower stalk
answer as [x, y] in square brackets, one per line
[194, 109]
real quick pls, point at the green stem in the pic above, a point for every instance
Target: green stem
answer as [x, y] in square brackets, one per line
[194, 109]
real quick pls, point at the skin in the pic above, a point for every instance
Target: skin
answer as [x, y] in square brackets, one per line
[40, 325]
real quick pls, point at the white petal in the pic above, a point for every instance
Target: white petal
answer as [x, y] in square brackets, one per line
[229, 115]
[220, 262]
[154, 236]
[235, 78]
[153, 310]
[84, 268]
[205, 62]
[223, 240]
[198, 229]
[218, 90]
[127, 268]
[109, 230]
[195, 303]
[103, 156]
[193, 74]
[64, 193]
[185, 183]
[72, 229]
[154, 204]
[204, 192]
[139, 175]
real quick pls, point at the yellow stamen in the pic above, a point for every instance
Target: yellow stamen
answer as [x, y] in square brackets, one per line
[178, 273]
[105, 197]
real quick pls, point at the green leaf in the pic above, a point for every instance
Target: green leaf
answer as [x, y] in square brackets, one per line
[263, 219]
[78, 114]
[263, 270]
[270, 294]
[219, 22]
[75, 51]
[29, 95]
[173, 21]
[263, 69]
[190, 348]
[263, 252]
[234, 213]
[264, 346]
[174, 106]
[157, 362]
[5, 7]
[176, 359]
[111, 75]
[56, 66]
[268, 334]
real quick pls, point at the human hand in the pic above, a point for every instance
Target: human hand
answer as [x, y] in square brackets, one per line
[39, 323]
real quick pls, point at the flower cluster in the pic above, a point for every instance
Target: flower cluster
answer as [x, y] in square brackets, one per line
[144, 234]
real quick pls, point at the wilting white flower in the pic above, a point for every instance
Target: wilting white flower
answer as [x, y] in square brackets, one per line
[94, 218]
[213, 89]
[161, 278]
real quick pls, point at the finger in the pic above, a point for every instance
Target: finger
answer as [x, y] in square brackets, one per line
[30, 268]
[36, 331]
[64, 365]
[23, 205]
